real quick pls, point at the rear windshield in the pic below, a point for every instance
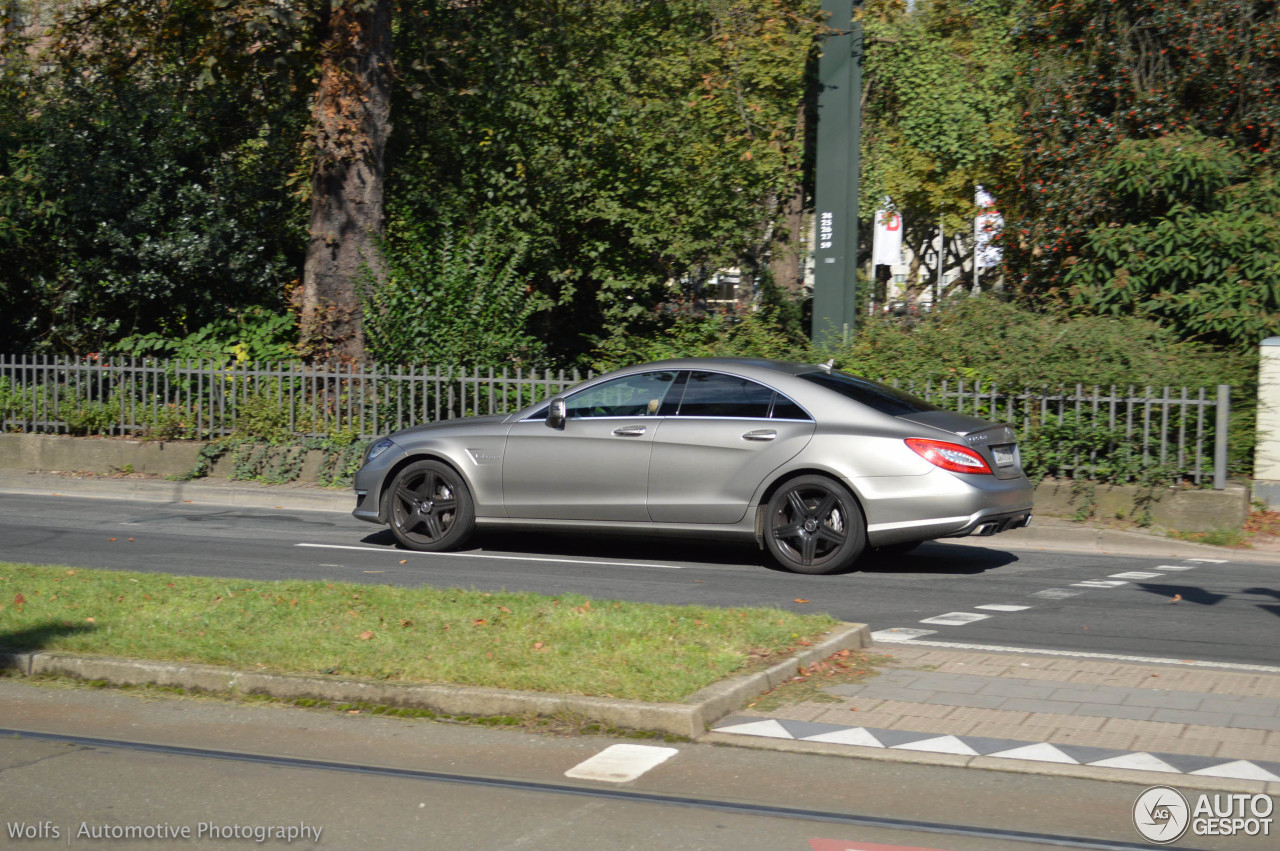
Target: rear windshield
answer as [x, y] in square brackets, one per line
[879, 397]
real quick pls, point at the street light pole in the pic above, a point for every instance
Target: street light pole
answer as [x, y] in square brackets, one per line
[839, 133]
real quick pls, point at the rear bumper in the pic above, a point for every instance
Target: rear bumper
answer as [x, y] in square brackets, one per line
[994, 524]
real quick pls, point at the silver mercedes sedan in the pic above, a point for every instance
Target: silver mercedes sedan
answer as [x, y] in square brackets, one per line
[816, 465]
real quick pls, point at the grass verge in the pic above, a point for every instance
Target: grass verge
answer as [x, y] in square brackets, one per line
[568, 644]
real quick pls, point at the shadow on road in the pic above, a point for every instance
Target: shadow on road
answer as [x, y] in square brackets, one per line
[936, 557]
[931, 558]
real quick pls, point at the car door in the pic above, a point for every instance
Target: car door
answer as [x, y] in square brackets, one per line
[596, 466]
[727, 434]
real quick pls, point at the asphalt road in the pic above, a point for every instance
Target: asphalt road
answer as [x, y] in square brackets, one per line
[1219, 612]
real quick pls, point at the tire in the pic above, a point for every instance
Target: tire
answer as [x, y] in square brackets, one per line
[814, 525]
[431, 507]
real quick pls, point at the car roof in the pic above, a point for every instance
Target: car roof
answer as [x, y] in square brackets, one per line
[735, 364]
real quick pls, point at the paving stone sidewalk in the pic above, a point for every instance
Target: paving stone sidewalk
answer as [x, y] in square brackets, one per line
[1171, 719]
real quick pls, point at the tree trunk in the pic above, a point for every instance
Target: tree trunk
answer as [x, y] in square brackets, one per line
[350, 124]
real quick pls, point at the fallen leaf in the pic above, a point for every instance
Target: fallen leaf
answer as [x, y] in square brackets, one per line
[504, 609]
[406, 623]
[110, 539]
[366, 635]
[798, 600]
[479, 622]
[404, 561]
[19, 600]
[1176, 598]
[131, 539]
[90, 620]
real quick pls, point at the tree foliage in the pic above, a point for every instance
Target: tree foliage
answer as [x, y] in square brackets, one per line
[634, 144]
[1098, 73]
[145, 193]
[1193, 241]
[940, 113]
[454, 298]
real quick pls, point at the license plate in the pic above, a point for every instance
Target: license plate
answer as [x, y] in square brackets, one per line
[1003, 455]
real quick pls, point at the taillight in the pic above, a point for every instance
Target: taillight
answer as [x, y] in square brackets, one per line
[949, 456]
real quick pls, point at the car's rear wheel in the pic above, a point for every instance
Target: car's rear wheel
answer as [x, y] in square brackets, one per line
[814, 525]
[431, 507]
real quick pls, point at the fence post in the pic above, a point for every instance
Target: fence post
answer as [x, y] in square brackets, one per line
[1220, 434]
[1221, 430]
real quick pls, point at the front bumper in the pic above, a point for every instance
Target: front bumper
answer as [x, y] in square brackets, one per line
[369, 483]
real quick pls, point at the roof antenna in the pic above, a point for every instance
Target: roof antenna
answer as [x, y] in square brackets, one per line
[827, 366]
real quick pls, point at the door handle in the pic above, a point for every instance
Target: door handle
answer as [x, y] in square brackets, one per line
[629, 431]
[760, 434]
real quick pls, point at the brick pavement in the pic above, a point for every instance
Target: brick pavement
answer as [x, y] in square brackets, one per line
[1171, 719]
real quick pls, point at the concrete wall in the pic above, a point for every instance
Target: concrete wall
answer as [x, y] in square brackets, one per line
[1183, 509]
[105, 456]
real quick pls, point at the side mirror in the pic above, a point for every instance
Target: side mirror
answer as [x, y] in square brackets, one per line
[556, 414]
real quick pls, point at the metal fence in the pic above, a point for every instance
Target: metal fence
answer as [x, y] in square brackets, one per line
[195, 399]
[1078, 431]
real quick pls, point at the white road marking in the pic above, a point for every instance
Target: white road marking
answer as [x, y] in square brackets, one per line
[1209, 560]
[1139, 761]
[768, 728]
[1240, 769]
[1099, 583]
[900, 633]
[852, 736]
[1056, 593]
[1136, 574]
[1175, 567]
[621, 763]
[1041, 752]
[942, 744]
[387, 551]
[956, 618]
[1003, 607]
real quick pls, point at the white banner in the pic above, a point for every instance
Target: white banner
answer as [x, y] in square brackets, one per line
[986, 227]
[886, 249]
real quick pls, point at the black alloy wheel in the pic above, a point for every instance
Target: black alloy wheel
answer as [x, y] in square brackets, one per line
[814, 525]
[431, 508]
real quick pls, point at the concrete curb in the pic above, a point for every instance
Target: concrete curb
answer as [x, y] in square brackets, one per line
[690, 719]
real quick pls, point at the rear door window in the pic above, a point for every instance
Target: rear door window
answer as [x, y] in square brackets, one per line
[715, 394]
[873, 394]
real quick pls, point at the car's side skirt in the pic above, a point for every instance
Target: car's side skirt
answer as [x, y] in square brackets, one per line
[744, 529]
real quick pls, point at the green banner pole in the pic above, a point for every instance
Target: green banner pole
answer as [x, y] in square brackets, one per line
[838, 138]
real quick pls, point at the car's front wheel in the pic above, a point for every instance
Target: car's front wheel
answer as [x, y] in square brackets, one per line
[431, 508]
[814, 525]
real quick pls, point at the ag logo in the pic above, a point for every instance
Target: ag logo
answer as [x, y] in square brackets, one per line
[1161, 814]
